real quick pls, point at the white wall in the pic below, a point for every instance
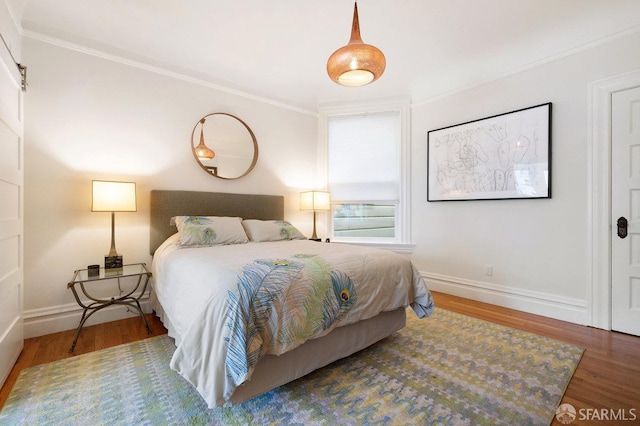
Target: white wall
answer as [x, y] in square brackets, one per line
[10, 30]
[90, 118]
[538, 248]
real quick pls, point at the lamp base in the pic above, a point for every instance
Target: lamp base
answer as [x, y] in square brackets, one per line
[113, 262]
[315, 239]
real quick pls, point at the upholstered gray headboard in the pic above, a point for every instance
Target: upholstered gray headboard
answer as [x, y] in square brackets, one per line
[166, 204]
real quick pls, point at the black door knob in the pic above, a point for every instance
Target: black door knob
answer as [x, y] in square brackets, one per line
[622, 227]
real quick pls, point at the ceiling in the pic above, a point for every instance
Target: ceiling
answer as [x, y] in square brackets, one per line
[277, 50]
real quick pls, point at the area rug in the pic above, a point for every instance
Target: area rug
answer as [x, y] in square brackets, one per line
[447, 369]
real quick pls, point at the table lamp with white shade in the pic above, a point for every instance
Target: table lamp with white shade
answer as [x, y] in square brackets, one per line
[316, 201]
[110, 196]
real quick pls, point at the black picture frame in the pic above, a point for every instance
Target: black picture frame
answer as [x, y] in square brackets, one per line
[502, 157]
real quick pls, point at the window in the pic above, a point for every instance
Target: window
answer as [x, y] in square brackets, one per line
[367, 167]
[364, 220]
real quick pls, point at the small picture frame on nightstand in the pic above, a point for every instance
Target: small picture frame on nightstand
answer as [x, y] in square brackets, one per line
[113, 262]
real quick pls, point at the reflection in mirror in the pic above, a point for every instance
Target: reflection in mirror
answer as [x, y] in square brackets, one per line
[202, 152]
[224, 146]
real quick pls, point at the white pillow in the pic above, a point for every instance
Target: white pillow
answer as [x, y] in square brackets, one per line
[271, 230]
[204, 231]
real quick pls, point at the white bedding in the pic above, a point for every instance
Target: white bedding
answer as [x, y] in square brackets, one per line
[197, 288]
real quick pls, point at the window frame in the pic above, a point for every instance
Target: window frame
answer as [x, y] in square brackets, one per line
[402, 241]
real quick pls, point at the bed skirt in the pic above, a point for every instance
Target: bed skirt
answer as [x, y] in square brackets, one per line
[276, 370]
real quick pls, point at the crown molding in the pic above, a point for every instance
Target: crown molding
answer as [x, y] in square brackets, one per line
[162, 71]
[552, 58]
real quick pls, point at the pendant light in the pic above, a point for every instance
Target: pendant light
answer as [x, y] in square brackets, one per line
[357, 63]
[202, 151]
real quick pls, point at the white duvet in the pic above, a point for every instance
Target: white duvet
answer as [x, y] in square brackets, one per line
[229, 305]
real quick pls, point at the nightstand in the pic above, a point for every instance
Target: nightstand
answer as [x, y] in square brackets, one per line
[130, 297]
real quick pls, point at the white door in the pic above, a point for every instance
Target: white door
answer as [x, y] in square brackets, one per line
[625, 211]
[11, 215]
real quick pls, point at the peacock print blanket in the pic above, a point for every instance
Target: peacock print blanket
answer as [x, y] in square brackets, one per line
[230, 305]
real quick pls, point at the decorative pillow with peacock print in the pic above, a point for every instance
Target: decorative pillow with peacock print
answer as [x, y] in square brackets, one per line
[271, 230]
[204, 231]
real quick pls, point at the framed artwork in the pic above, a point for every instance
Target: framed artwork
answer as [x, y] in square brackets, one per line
[506, 156]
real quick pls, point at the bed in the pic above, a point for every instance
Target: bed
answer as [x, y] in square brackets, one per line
[345, 297]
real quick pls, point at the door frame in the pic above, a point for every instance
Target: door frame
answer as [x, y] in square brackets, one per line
[599, 194]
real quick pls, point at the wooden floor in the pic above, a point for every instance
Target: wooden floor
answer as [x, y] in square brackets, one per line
[607, 378]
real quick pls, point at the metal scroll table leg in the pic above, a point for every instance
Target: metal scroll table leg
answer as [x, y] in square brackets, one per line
[84, 318]
[144, 318]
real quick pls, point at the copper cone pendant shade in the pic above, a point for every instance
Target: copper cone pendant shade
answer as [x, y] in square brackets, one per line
[357, 63]
[202, 151]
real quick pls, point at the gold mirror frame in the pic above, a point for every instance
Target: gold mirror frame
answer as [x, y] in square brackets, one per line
[200, 137]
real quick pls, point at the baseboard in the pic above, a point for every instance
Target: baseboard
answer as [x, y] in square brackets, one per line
[38, 322]
[545, 304]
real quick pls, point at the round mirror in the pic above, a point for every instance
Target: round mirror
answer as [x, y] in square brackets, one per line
[224, 146]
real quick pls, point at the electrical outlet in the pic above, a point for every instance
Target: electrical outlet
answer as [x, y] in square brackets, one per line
[488, 270]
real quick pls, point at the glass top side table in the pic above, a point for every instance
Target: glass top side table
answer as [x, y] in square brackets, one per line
[85, 280]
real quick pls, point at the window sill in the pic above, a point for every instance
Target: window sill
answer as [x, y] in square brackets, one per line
[395, 247]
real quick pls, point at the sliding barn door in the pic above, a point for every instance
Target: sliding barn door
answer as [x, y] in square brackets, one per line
[11, 213]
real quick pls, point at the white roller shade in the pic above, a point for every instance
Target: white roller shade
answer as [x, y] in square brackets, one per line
[364, 157]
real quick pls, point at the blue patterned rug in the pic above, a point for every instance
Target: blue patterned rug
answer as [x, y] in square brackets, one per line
[449, 369]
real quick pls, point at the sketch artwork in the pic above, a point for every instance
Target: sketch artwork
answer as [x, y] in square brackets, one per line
[505, 156]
